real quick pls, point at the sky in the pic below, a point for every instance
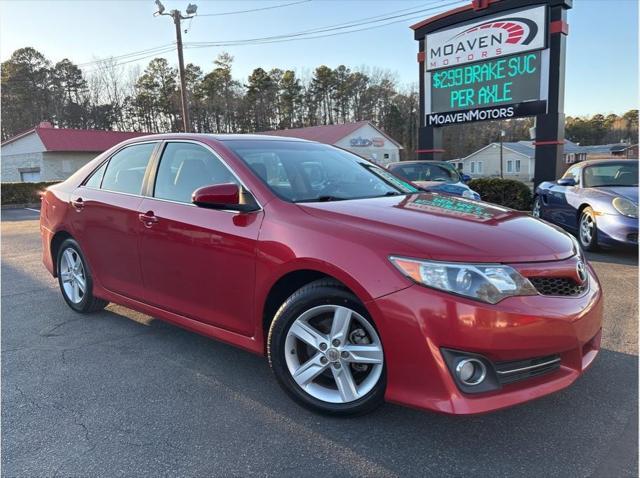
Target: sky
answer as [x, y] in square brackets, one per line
[602, 46]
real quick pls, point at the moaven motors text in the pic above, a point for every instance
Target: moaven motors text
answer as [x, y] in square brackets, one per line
[440, 119]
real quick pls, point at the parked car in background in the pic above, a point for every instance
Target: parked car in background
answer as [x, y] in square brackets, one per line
[358, 286]
[595, 200]
[435, 176]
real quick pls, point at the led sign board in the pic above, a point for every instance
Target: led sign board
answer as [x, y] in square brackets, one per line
[516, 31]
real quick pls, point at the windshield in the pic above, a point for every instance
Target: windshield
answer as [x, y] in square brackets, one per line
[427, 172]
[302, 172]
[616, 174]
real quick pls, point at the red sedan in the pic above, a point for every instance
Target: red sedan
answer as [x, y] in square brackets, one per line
[358, 287]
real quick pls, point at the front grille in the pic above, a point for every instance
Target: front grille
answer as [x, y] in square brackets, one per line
[559, 286]
[633, 237]
[509, 372]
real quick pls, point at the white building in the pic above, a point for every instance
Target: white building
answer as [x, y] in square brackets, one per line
[518, 160]
[45, 153]
[361, 138]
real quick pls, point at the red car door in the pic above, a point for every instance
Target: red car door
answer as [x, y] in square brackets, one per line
[106, 223]
[196, 262]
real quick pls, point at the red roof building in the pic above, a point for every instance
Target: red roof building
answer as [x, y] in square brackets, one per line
[362, 138]
[45, 153]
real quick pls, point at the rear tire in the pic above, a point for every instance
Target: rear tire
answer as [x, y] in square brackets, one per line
[75, 279]
[588, 230]
[339, 366]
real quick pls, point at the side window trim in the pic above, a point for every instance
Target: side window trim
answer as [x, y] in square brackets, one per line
[154, 166]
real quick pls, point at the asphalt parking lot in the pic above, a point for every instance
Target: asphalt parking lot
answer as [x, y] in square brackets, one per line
[120, 394]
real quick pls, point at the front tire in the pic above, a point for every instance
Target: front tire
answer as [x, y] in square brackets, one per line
[75, 279]
[588, 230]
[325, 351]
[537, 207]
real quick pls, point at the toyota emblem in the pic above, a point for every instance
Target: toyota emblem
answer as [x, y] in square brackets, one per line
[582, 271]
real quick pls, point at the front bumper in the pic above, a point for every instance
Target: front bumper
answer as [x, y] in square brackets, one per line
[616, 229]
[417, 323]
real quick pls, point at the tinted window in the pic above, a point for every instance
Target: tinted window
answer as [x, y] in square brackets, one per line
[612, 174]
[185, 167]
[300, 171]
[427, 172]
[126, 168]
[96, 178]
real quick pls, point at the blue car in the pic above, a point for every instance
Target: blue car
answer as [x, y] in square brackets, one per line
[595, 200]
[437, 176]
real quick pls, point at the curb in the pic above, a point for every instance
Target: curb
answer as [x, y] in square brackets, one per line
[34, 205]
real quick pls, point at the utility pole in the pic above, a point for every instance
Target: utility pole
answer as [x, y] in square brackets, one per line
[177, 19]
[501, 161]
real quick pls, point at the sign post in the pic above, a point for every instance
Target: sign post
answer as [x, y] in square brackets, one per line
[495, 60]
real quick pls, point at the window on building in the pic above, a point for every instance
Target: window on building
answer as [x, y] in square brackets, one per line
[479, 167]
[126, 169]
[185, 167]
[473, 167]
[30, 175]
[517, 165]
[460, 166]
[509, 166]
[386, 155]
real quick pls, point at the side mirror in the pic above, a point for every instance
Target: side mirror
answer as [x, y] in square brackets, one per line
[566, 182]
[223, 196]
[465, 178]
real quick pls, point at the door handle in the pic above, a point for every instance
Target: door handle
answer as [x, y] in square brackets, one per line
[77, 204]
[148, 218]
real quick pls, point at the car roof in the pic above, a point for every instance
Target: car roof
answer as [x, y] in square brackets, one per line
[222, 137]
[591, 162]
[422, 161]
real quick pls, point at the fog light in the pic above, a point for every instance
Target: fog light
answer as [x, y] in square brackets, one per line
[471, 371]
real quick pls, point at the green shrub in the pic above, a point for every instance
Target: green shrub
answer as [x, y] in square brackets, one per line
[505, 192]
[22, 193]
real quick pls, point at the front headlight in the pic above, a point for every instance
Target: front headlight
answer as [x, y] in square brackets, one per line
[625, 207]
[486, 282]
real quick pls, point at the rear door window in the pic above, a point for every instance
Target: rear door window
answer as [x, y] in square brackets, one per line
[126, 168]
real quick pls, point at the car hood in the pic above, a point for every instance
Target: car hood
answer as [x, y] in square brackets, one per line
[628, 192]
[443, 227]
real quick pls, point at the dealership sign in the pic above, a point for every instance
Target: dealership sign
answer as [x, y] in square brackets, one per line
[501, 35]
[490, 69]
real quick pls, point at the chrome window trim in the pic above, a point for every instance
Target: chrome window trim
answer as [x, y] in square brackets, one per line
[217, 156]
[206, 146]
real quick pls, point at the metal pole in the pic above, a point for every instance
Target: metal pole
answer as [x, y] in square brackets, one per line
[186, 124]
[501, 161]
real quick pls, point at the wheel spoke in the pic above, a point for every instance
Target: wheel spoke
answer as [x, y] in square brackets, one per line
[307, 334]
[66, 276]
[76, 292]
[363, 353]
[345, 383]
[340, 324]
[81, 282]
[309, 370]
[71, 262]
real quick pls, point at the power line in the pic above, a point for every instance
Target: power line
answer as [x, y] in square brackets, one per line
[342, 26]
[309, 34]
[236, 12]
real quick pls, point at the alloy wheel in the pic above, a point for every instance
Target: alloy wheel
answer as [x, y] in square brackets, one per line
[587, 226]
[72, 274]
[334, 354]
[536, 207]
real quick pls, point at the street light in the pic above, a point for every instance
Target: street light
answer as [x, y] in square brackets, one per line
[177, 18]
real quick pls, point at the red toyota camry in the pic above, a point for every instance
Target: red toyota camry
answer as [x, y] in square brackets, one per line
[357, 286]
